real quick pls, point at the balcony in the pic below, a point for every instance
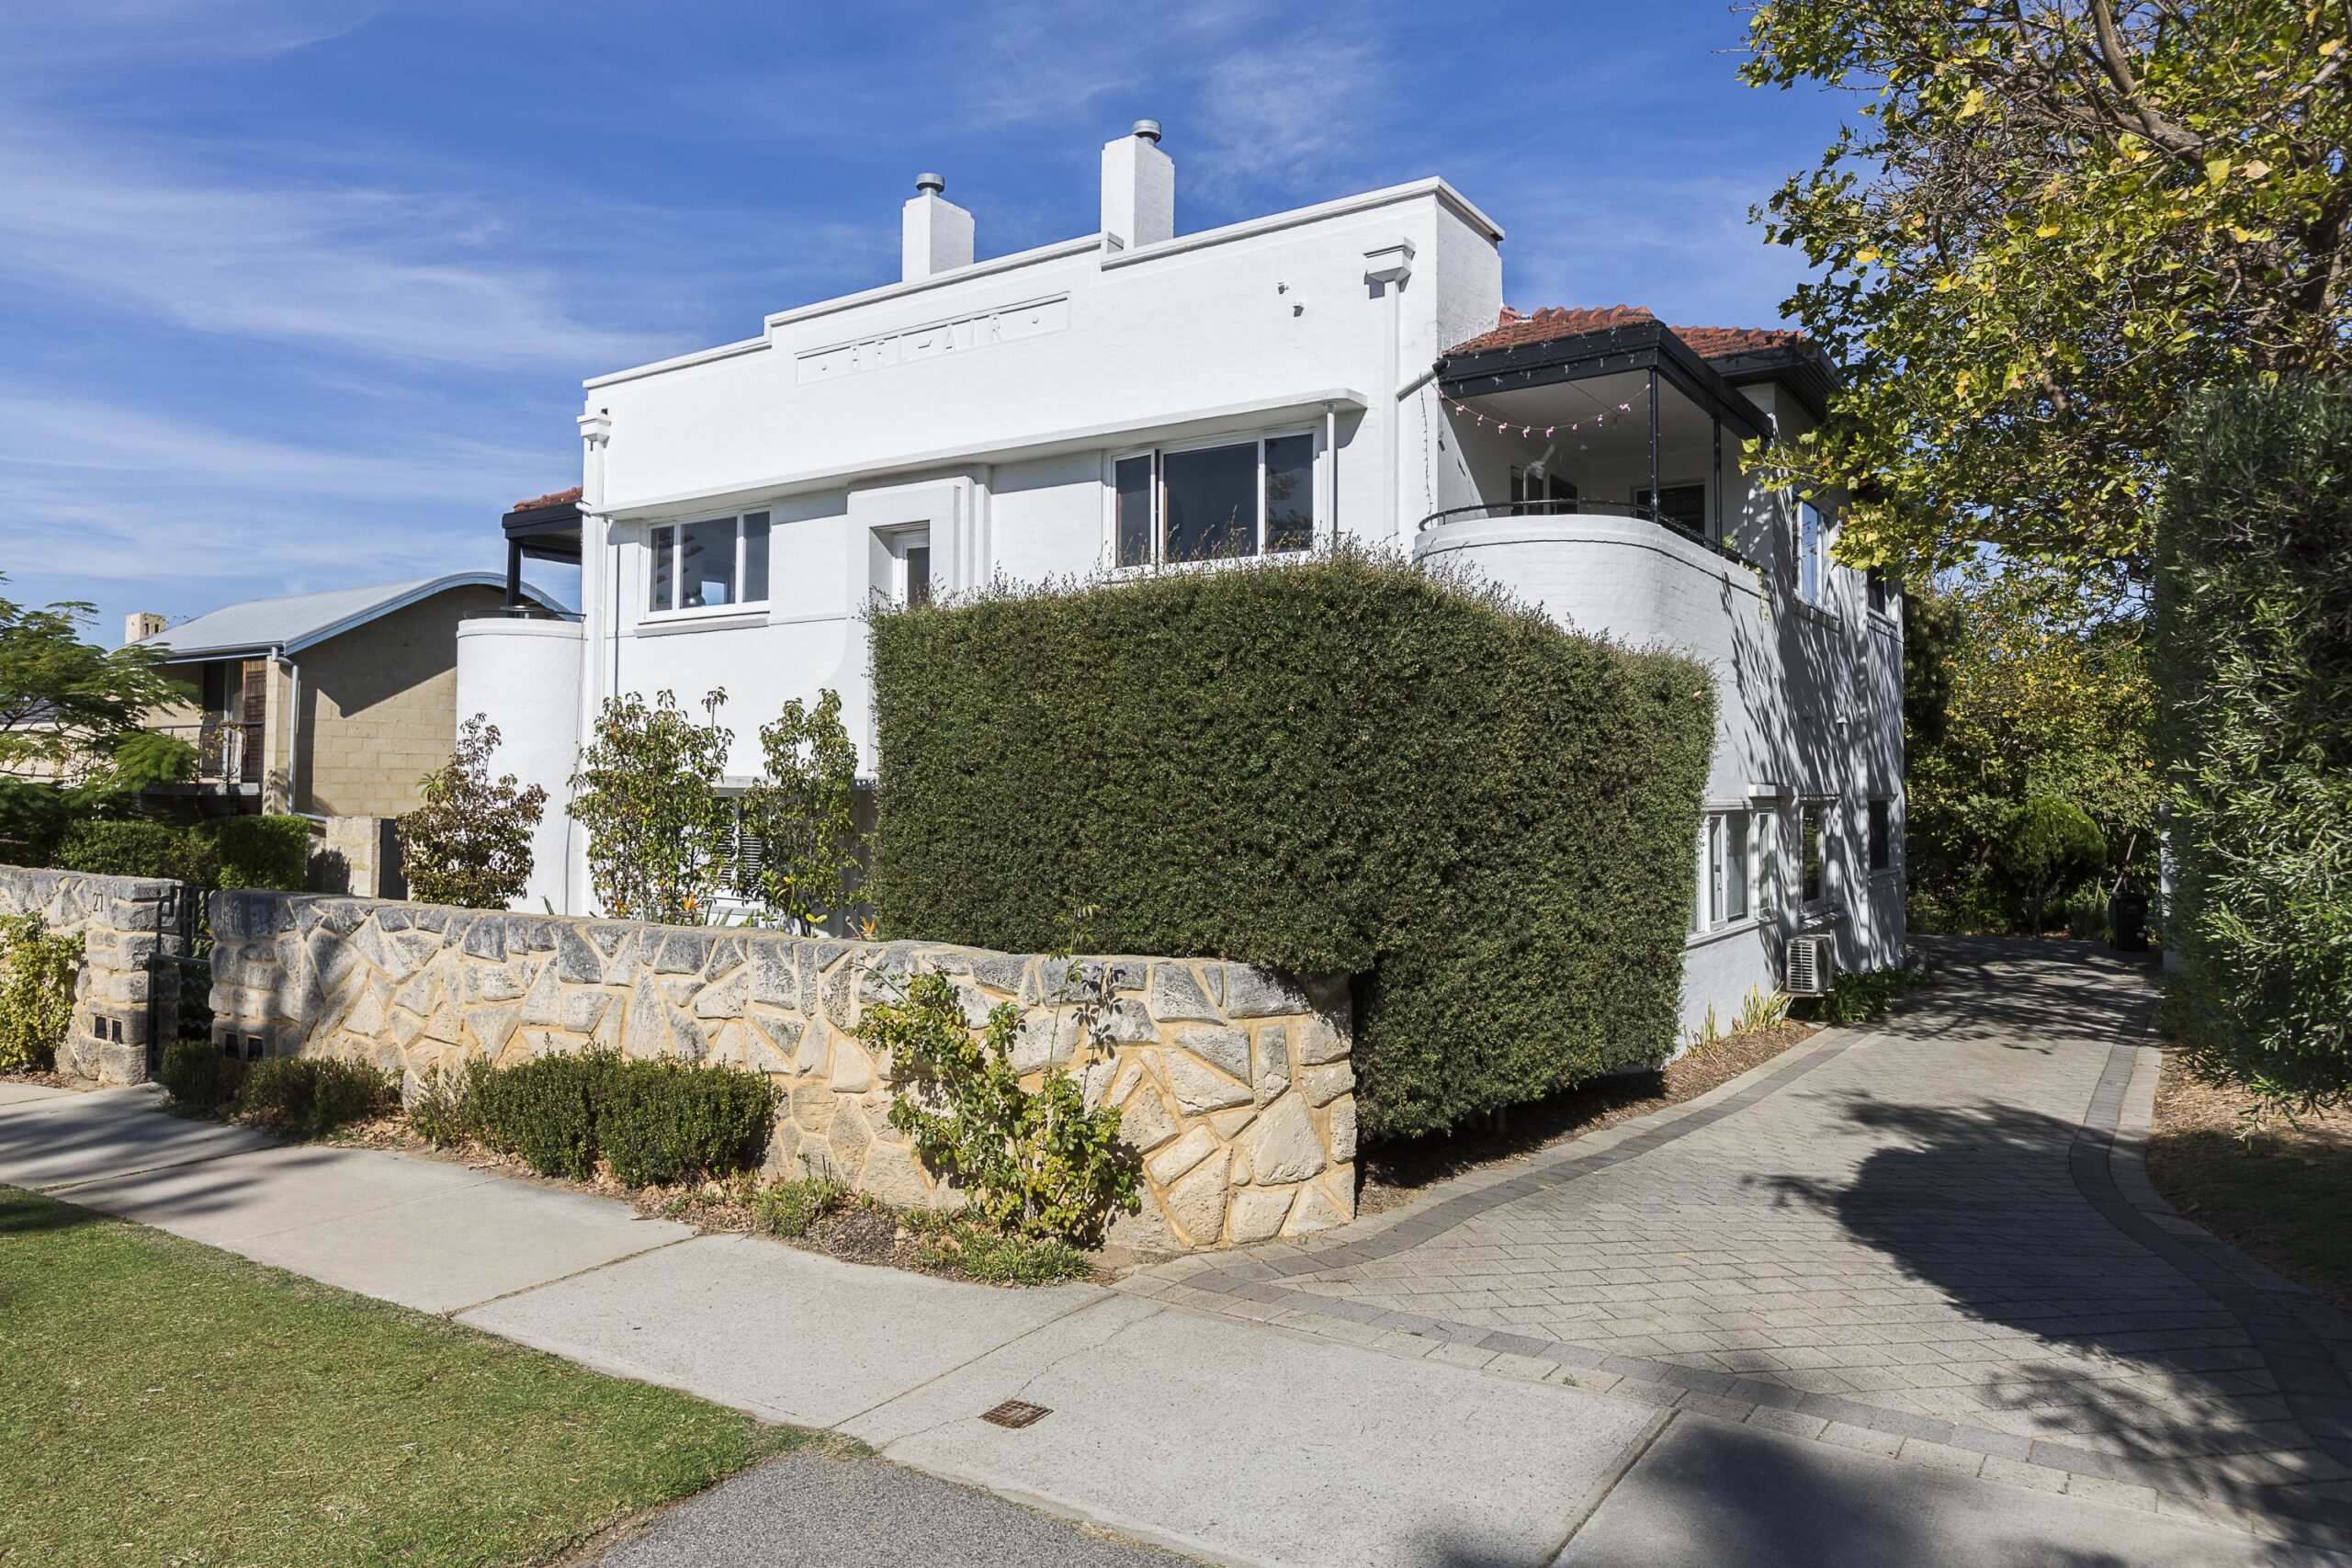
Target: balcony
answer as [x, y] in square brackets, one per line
[230, 758]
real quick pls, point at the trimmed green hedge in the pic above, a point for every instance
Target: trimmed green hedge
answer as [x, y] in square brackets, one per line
[654, 1122]
[2254, 672]
[1341, 765]
[225, 852]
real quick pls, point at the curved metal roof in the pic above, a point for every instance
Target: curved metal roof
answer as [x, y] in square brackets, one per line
[300, 620]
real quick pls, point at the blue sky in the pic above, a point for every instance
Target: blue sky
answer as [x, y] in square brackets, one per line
[295, 296]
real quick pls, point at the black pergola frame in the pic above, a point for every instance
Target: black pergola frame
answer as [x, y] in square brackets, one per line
[540, 533]
[1647, 347]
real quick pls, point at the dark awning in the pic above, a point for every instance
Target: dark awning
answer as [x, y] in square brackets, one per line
[1636, 345]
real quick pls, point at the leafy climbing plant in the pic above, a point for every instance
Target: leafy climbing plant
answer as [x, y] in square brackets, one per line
[801, 814]
[1036, 1163]
[646, 790]
[36, 975]
[470, 844]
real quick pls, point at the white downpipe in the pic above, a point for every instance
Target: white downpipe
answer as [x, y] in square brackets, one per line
[1392, 418]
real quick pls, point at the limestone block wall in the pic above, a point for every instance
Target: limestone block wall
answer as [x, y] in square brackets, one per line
[1235, 1083]
[127, 992]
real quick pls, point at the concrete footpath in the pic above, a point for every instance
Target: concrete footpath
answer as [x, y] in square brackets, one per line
[1212, 1436]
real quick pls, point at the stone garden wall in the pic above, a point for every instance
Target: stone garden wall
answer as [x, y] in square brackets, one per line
[1235, 1082]
[128, 990]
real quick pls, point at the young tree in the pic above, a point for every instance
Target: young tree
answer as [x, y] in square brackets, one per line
[800, 814]
[646, 790]
[66, 705]
[2057, 220]
[470, 844]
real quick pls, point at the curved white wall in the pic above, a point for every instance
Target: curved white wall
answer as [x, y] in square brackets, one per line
[525, 675]
[1788, 724]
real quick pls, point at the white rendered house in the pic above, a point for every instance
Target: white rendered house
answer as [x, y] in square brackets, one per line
[1138, 397]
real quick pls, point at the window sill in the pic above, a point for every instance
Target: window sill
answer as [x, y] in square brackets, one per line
[1731, 928]
[725, 618]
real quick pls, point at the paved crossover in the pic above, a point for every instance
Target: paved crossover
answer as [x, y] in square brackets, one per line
[1910, 1238]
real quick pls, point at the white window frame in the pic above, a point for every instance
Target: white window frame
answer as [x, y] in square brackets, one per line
[673, 528]
[1814, 560]
[1711, 907]
[1893, 835]
[1160, 452]
[1825, 809]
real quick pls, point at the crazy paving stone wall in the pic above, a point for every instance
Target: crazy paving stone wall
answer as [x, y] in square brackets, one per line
[1234, 1082]
[128, 993]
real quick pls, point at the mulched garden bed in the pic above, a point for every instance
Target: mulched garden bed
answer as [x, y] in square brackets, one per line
[1399, 1172]
[2276, 1189]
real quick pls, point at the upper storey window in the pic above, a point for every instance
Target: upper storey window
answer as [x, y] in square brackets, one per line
[1813, 553]
[709, 564]
[1201, 503]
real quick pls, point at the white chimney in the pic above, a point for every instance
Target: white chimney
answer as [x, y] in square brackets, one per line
[937, 236]
[1139, 188]
[141, 625]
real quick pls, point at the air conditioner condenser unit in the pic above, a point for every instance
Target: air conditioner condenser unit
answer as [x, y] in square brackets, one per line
[1811, 967]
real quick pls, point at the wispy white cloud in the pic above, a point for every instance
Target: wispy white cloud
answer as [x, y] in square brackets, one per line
[370, 271]
[99, 492]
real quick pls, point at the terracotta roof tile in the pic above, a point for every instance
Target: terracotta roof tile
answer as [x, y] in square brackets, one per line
[1513, 330]
[1721, 343]
[1551, 321]
[552, 498]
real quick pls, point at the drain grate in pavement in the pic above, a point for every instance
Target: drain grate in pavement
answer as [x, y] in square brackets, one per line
[1016, 1412]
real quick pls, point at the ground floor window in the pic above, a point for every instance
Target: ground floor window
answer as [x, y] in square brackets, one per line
[1220, 502]
[1810, 848]
[1881, 833]
[1727, 863]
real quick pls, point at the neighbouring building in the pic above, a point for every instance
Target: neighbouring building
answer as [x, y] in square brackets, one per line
[1139, 398]
[329, 704]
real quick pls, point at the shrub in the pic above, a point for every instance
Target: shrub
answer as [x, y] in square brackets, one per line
[1330, 766]
[470, 843]
[999, 1258]
[38, 973]
[543, 1110]
[1036, 1162]
[646, 790]
[800, 815]
[1856, 998]
[269, 852]
[2047, 847]
[124, 849]
[200, 1076]
[654, 1122]
[307, 1097]
[2253, 666]
[791, 1207]
[667, 1121]
[443, 1113]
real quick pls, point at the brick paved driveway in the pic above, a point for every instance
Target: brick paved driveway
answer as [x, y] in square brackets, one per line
[1909, 1233]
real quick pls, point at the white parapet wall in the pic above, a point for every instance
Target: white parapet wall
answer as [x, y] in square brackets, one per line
[1236, 1084]
[525, 675]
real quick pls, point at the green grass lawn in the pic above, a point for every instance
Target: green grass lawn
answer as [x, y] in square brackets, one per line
[165, 1403]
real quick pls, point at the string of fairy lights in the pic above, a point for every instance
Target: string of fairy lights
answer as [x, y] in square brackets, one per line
[1503, 427]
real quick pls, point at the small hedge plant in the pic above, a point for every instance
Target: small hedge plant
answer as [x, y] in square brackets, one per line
[38, 972]
[299, 1097]
[308, 1097]
[1035, 1162]
[653, 1122]
[1337, 766]
[227, 853]
[199, 1077]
